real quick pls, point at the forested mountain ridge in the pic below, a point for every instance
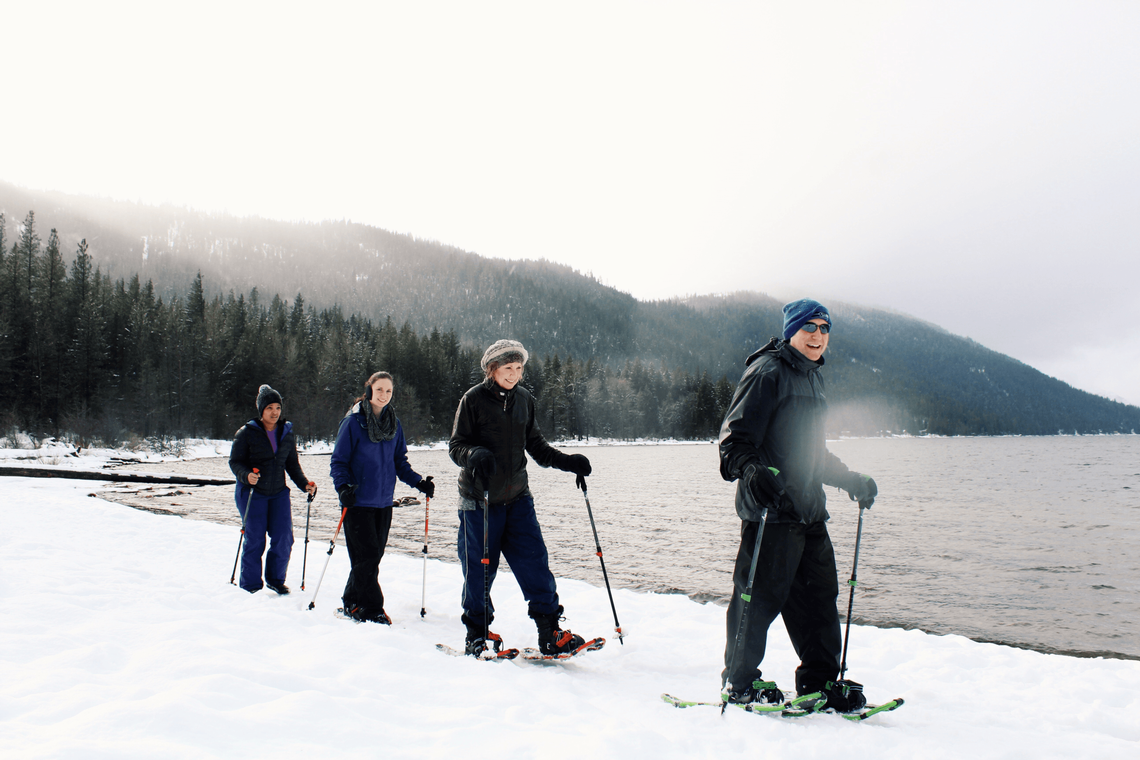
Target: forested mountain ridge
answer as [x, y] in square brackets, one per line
[884, 371]
[364, 270]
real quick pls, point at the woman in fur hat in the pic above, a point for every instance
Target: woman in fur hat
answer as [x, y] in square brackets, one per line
[494, 430]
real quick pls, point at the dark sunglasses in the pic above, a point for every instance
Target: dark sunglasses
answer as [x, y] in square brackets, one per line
[811, 326]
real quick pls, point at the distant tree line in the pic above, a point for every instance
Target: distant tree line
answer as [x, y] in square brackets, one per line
[94, 343]
[105, 360]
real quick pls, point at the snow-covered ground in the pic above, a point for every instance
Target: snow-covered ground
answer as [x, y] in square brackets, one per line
[121, 637]
[20, 449]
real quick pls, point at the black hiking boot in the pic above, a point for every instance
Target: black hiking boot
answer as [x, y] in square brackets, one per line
[478, 646]
[480, 639]
[367, 614]
[551, 639]
[278, 586]
[764, 692]
[843, 696]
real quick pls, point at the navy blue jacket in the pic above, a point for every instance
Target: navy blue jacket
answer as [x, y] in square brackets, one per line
[251, 448]
[776, 419]
[370, 466]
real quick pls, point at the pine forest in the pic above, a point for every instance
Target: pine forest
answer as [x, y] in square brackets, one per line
[103, 361]
[128, 321]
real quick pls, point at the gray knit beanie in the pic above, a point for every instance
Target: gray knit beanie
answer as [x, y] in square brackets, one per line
[504, 352]
[265, 397]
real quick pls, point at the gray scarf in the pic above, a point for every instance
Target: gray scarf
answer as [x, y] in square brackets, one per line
[382, 428]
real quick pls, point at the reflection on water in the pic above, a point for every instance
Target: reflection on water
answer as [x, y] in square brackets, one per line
[1027, 541]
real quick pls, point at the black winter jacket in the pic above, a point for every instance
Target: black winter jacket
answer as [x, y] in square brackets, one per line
[503, 422]
[776, 419]
[251, 448]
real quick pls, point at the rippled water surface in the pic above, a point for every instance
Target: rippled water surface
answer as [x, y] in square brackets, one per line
[1027, 541]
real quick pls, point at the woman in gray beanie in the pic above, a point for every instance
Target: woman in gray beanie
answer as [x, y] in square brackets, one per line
[494, 430]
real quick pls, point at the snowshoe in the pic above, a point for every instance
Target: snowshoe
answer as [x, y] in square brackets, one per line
[841, 697]
[537, 655]
[485, 648]
[487, 654]
[759, 691]
[365, 614]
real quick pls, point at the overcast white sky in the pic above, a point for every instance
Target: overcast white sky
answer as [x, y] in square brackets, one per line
[974, 164]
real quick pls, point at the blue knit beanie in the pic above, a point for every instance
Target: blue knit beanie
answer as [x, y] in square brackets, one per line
[798, 313]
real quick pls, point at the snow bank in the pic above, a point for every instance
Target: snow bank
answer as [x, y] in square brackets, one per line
[19, 448]
[123, 638]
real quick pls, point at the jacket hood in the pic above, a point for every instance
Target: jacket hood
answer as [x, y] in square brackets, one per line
[283, 424]
[772, 345]
[791, 356]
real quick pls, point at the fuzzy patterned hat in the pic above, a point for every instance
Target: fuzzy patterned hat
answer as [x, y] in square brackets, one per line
[504, 352]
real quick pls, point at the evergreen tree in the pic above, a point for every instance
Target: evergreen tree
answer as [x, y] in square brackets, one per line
[87, 351]
[51, 329]
[21, 322]
[7, 382]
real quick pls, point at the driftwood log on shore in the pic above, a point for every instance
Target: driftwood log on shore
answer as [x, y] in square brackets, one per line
[113, 476]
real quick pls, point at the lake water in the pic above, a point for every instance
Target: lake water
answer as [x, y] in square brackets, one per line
[1032, 542]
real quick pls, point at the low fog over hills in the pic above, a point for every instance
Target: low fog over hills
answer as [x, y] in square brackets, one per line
[885, 371]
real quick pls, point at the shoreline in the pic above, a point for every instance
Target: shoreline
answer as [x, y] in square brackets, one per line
[176, 449]
[698, 596]
[213, 504]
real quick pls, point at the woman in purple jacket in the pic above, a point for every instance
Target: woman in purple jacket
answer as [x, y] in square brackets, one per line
[369, 455]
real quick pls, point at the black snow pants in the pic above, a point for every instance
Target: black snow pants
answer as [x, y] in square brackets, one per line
[796, 578]
[365, 536]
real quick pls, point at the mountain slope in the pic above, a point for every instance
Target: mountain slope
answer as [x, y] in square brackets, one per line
[885, 371]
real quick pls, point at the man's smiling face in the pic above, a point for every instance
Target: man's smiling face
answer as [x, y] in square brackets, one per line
[811, 344]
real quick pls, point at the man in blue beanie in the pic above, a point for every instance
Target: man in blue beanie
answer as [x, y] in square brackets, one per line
[772, 443]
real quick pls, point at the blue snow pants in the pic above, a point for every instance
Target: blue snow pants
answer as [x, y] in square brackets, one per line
[514, 534]
[267, 514]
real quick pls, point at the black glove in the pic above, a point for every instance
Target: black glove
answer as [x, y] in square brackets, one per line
[765, 485]
[577, 464]
[347, 496]
[482, 464]
[862, 489]
[426, 487]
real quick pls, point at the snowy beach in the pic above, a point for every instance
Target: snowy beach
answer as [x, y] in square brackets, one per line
[123, 639]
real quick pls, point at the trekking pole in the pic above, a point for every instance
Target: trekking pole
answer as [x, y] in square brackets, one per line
[305, 557]
[486, 566]
[241, 536]
[332, 545]
[851, 596]
[746, 598]
[423, 596]
[598, 547]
